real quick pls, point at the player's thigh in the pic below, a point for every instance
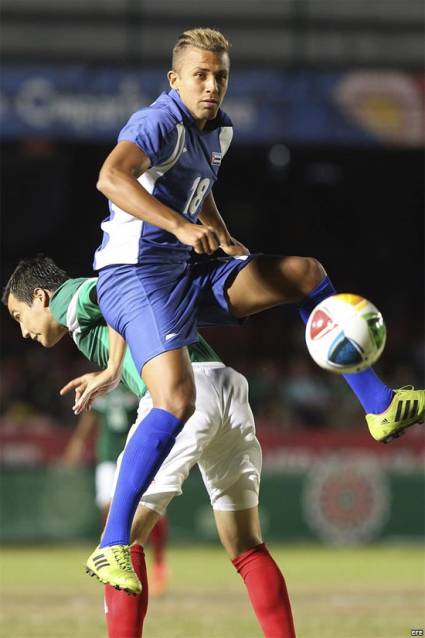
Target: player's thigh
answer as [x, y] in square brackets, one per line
[239, 530]
[144, 521]
[271, 280]
[230, 465]
[234, 450]
[152, 307]
[169, 378]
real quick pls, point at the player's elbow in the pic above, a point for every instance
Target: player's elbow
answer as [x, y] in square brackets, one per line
[103, 183]
[99, 185]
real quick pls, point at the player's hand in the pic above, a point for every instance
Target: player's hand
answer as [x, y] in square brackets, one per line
[234, 248]
[203, 239]
[89, 386]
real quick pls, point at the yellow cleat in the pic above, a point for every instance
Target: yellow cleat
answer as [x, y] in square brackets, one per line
[406, 409]
[112, 566]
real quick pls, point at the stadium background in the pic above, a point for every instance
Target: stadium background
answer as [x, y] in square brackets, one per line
[327, 100]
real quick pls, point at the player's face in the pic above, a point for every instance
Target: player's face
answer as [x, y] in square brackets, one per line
[36, 321]
[201, 79]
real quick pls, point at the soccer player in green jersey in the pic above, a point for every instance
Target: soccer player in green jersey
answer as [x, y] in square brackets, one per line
[110, 420]
[219, 437]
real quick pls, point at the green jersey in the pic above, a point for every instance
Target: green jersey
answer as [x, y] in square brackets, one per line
[74, 305]
[116, 412]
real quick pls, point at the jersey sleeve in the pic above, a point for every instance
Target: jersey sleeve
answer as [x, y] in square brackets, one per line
[153, 132]
[62, 299]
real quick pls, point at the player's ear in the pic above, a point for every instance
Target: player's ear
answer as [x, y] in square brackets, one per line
[173, 79]
[42, 296]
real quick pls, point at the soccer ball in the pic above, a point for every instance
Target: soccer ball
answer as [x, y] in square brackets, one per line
[345, 333]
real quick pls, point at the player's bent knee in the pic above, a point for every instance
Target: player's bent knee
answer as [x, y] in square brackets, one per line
[316, 271]
[183, 403]
[308, 271]
[178, 399]
[185, 411]
[239, 545]
[180, 407]
[239, 530]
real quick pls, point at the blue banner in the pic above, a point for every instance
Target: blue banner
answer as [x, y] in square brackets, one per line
[267, 107]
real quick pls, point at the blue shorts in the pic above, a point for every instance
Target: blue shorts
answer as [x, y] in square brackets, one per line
[160, 307]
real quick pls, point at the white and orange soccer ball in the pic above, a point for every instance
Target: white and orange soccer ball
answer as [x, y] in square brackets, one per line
[345, 333]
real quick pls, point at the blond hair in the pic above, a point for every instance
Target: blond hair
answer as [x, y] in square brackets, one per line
[200, 38]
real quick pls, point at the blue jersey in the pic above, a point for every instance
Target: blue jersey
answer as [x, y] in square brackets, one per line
[184, 166]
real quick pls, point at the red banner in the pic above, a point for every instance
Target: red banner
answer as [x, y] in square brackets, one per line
[40, 441]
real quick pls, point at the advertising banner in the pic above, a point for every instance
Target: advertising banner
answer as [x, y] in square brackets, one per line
[338, 488]
[267, 106]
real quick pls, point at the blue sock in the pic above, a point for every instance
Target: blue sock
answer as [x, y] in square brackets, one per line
[143, 456]
[372, 393]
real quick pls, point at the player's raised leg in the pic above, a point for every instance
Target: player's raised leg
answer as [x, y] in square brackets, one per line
[268, 281]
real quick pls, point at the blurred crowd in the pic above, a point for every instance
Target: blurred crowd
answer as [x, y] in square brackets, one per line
[287, 389]
[329, 202]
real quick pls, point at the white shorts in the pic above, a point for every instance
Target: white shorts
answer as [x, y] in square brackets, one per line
[104, 482]
[219, 437]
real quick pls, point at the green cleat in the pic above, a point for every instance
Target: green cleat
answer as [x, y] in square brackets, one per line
[112, 566]
[406, 409]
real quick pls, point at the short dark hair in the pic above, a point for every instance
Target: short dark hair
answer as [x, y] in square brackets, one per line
[31, 273]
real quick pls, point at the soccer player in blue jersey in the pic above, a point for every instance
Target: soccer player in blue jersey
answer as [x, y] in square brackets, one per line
[159, 180]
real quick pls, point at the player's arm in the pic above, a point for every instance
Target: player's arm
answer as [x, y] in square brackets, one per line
[211, 217]
[118, 182]
[74, 451]
[117, 348]
[93, 384]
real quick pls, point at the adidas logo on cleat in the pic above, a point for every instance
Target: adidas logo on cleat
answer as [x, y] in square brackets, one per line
[100, 561]
[407, 413]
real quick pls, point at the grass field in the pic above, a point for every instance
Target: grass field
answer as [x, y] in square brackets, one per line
[375, 592]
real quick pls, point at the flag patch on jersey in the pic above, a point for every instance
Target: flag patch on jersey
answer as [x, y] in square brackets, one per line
[216, 158]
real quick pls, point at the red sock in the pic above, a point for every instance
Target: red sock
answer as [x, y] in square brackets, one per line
[267, 591]
[125, 614]
[158, 539]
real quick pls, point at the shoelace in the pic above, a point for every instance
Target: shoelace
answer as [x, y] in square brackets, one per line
[405, 388]
[123, 558]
